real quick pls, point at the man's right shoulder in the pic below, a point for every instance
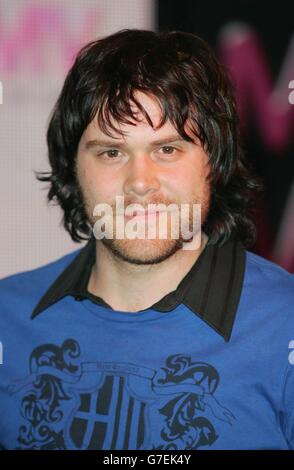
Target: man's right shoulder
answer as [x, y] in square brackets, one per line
[37, 279]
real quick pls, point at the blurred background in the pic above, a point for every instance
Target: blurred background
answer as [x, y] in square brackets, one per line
[38, 43]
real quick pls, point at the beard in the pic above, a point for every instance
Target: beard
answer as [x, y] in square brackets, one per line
[150, 251]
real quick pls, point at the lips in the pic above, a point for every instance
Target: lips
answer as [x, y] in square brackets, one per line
[143, 214]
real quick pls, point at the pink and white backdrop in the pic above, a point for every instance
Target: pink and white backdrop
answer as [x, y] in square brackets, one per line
[38, 40]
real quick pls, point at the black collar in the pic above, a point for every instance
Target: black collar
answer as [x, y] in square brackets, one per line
[211, 289]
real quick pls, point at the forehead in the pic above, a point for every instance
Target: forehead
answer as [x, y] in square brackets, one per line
[151, 105]
[141, 126]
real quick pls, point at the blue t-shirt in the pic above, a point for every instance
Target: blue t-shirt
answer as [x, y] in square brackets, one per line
[83, 376]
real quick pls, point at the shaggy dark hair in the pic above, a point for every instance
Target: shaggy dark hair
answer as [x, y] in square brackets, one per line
[182, 72]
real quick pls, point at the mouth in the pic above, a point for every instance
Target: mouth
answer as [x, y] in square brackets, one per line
[143, 215]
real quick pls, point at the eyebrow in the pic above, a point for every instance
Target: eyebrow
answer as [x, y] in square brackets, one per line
[113, 143]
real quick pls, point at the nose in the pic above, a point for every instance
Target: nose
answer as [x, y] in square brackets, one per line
[142, 176]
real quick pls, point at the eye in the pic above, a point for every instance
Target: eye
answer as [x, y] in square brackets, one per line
[169, 149]
[110, 154]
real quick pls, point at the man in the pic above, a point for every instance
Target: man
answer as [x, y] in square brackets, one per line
[176, 341]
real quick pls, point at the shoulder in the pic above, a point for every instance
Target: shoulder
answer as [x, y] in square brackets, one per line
[266, 273]
[269, 287]
[32, 283]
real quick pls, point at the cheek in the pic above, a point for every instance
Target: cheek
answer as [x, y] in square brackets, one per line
[190, 180]
[197, 176]
[97, 186]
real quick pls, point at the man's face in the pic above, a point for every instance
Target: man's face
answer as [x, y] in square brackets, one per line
[144, 166]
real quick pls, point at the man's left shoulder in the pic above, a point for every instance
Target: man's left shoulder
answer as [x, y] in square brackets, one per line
[267, 303]
[268, 276]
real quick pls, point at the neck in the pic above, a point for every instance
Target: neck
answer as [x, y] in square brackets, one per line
[128, 287]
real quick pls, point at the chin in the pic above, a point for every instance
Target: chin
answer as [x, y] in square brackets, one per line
[142, 252]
